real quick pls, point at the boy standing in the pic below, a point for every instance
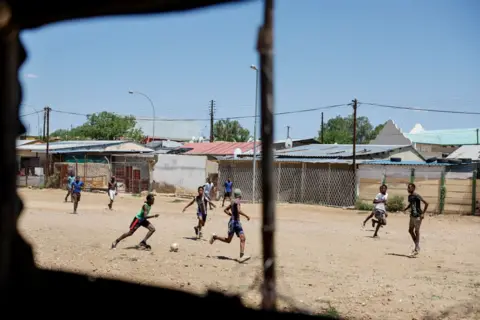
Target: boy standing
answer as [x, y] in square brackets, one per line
[112, 191]
[234, 225]
[208, 191]
[141, 220]
[416, 215]
[228, 191]
[77, 187]
[202, 202]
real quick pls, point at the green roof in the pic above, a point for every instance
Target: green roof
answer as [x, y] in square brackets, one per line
[452, 137]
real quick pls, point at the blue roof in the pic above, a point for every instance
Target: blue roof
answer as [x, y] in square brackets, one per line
[404, 163]
[452, 137]
[337, 150]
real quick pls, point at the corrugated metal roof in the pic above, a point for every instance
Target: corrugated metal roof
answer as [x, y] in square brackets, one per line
[306, 160]
[218, 148]
[405, 163]
[69, 144]
[126, 147]
[337, 150]
[466, 152]
[25, 142]
[453, 137]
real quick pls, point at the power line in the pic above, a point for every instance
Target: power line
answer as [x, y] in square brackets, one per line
[226, 118]
[419, 109]
[29, 114]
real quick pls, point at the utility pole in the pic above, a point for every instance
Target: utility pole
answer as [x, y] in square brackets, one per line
[212, 113]
[321, 128]
[354, 104]
[47, 119]
[288, 132]
[44, 122]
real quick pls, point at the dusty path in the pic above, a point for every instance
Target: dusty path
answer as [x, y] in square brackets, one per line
[324, 257]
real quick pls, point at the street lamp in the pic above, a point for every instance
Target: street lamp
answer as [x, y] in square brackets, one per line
[254, 68]
[153, 109]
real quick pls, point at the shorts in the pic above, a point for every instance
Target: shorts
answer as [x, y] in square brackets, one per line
[234, 227]
[227, 195]
[76, 196]
[202, 216]
[380, 216]
[137, 223]
[111, 194]
[69, 188]
[415, 223]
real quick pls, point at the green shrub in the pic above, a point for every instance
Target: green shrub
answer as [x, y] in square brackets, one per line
[364, 206]
[395, 203]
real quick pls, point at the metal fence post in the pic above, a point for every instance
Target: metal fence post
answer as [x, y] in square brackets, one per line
[329, 182]
[443, 193]
[474, 192]
[302, 188]
[279, 175]
[412, 175]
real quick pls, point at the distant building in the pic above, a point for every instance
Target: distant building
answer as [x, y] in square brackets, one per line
[178, 131]
[429, 143]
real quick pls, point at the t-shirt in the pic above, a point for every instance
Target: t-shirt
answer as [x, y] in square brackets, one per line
[77, 186]
[228, 186]
[70, 180]
[381, 205]
[415, 201]
[141, 214]
[208, 187]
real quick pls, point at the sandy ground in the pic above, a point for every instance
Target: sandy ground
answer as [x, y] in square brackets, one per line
[325, 259]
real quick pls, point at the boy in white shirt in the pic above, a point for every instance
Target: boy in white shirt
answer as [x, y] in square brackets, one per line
[379, 210]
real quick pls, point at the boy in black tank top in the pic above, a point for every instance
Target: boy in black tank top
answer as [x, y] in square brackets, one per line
[202, 202]
[234, 225]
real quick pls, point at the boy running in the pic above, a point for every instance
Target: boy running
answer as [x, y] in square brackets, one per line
[228, 191]
[379, 210]
[140, 220]
[112, 191]
[202, 202]
[70, 180]
[234, 226]
[77, 187]
[416, 215]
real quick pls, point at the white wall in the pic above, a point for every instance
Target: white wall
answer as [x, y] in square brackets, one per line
[180, 171]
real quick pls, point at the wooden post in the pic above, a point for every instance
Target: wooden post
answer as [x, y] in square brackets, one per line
[474, 192]
[328, 185]
[412, 175]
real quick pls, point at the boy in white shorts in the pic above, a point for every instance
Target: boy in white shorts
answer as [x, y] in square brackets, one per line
[112, 191]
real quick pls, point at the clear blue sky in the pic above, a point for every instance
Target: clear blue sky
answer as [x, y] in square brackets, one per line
[402, 52]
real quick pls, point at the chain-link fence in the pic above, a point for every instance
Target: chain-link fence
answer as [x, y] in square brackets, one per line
[296, 182]
[94, 175]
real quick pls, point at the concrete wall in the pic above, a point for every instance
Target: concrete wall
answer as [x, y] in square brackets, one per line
[407, 155]
[179, 173]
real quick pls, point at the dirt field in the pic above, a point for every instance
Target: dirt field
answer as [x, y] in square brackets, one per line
[325, 259]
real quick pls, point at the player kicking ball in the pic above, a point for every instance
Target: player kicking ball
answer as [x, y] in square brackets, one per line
[141, 220]
[234, 226]
[202, 202]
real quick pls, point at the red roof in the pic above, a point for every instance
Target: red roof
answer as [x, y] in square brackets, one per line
[218, 148]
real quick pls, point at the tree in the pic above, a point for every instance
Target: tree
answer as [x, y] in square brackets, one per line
[103, 126]
[226, 130]
[340, 130]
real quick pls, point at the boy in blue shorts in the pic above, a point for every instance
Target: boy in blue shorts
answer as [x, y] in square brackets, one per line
[234, 224]
[77, 187]
[202, 202]
[70, 180]
[141, 220]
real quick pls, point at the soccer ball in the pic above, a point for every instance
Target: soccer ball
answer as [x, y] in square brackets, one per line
[174, 247]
